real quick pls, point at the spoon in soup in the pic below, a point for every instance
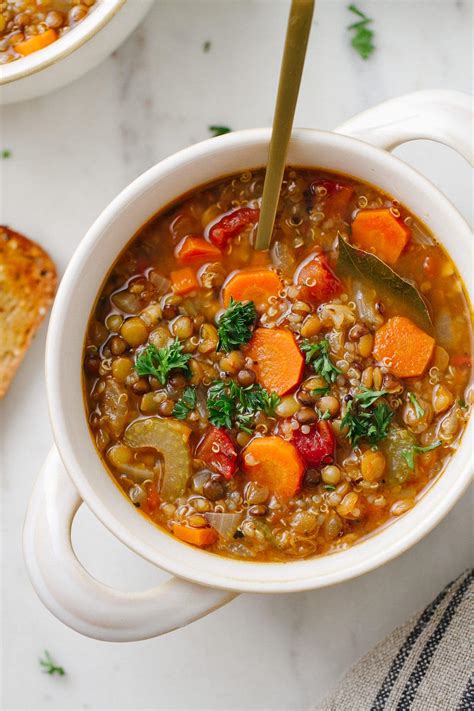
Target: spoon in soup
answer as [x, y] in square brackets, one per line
[297, 35]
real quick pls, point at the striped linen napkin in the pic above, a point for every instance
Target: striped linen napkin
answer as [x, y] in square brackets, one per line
[427, 664]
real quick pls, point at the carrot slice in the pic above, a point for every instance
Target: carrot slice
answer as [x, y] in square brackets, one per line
[278, 362]
[256, 285]
[33, 44]
[275, 463]
[406, 348]
[380, 232]
[196, 536]
[184, 280]
[194, 249]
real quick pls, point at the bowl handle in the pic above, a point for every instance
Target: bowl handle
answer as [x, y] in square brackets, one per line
[442, 116]
[79, 600]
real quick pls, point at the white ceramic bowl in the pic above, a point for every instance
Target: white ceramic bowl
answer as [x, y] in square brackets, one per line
[73, 54]
[74, 473]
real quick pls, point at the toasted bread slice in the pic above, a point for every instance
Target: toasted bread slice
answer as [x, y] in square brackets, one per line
[27, 287]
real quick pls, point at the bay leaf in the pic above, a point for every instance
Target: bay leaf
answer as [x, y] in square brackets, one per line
[357, 264]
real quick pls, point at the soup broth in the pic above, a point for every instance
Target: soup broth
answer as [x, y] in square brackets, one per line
[277, 405]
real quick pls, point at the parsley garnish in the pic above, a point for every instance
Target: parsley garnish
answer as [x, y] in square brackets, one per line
[49, 667]
[230, 404]
[409, 454]
[363, 36]
[317, 392]
[185, 404]
[318, 355]
[326, 415]
[206, 46]
[369, 424]
[367, 397]
[219, 130]
[462, 403]
[329, 487]
[159, 362]
[419, 411]
[235, 325]
[6, 153]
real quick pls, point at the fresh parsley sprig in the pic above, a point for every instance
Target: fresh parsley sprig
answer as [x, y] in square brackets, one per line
[231, 405]
[362, 39]
[235, 325]
[367, 397]
[219, 130]
[49, 667]
[185, 404]
[318, 355]
[159, 362]
[370, 424]
[419, 411]
[409, 454]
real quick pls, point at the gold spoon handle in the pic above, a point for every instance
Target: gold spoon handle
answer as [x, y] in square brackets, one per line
[297, 34]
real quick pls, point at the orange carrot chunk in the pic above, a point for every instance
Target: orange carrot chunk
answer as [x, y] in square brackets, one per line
[184, 280]
[256, 285]
[278, 362]
[405, 348]
[194, 249]
[196, 536]
[275, 463]
[378, 231]
[33, 44]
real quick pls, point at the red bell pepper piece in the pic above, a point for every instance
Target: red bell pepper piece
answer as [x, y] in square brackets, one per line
[317, 447]
[232, 225]
[337, 198]
[317, 280]
[217, 450]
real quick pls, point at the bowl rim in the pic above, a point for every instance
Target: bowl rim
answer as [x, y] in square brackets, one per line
[75, 38]
[164, 550]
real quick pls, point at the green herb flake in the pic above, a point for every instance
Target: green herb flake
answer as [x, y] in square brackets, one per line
[419, 411]
[362, 38]
[326, 415]
[329, 487]
[370, 424]
[219, 130]
[49, 667]
[462, 403]
[367, 397]
[409, 454]
[235, 325]
[185, 404]
[6, 153]
[319, 392]
[318, 355]
[231, 405]
[159, 362]
[206, 46]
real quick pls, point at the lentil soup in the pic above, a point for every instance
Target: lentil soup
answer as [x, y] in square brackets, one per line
[279, 405]
[27, 26]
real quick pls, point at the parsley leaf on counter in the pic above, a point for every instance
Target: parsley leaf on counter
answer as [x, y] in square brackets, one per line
[159, 362]
[235, 325]
[49, 667]
[5, 153]
[318, 355]
[206, 46]
[185, 404]
[363, 36]
[219, 130]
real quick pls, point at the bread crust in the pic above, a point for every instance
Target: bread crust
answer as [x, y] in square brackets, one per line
[27, 286]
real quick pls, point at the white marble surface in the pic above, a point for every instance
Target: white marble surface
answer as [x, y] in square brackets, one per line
[71, 153]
